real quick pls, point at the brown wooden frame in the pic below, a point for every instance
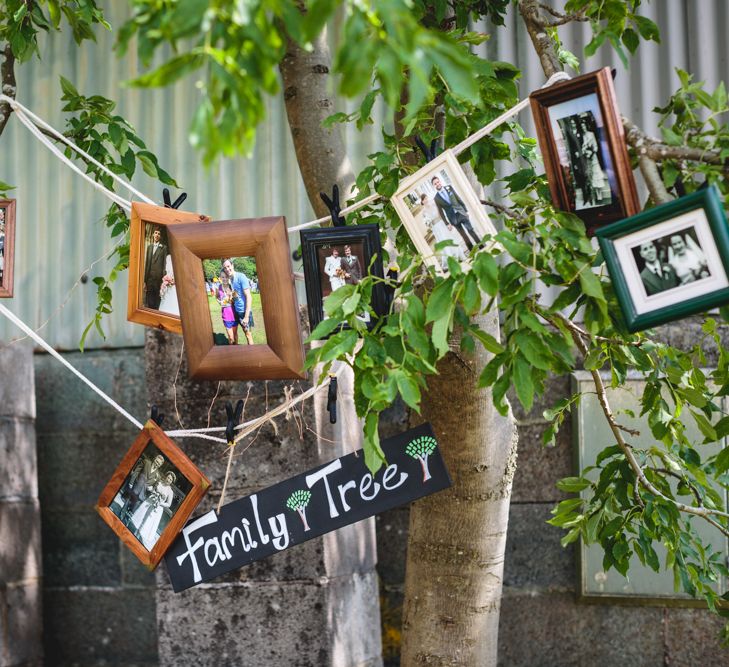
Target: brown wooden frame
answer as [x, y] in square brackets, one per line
[156, 215]
[6, 285]
[265, 239]
[153, 433]
[601, 83]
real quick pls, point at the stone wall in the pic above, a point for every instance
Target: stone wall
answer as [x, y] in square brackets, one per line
[98, 600]
[20, 537]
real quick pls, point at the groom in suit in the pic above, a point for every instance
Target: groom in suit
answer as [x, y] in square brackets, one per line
[352, 269]
[656, 275]
[454, 212]
[154, 269]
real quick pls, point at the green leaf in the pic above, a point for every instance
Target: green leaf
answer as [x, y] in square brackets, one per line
[487, 270]
[523, 382]
[534, 349]
[408, 389]
[338, 345]
[573, 484]
[440, 303]
[374, 456]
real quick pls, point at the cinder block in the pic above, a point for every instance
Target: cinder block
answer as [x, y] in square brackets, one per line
[79, 549]
[20, 542]
[534, 558]
[92, 627]
[551, 630]
[17, 390]
[555, 388]
[692, 638]
[21, 616]
[18, 469]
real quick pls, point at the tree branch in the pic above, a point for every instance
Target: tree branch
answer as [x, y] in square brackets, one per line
[9, 87]
[536, 26]
[560, 17]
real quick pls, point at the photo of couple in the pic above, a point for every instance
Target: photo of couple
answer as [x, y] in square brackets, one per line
[670, 261]
[234, 301]
[151, 494]
[341, 265]
[158, 287]
[441, 212]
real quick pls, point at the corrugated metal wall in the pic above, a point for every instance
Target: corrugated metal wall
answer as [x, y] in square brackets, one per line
[58, 233]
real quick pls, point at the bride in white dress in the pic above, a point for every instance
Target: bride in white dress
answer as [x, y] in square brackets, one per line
[147, 517]
[168, 291]
[442, 232]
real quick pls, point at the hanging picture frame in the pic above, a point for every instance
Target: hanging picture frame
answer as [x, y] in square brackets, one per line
[209, 312]
[337, 256]
[152, 292]
[441, 213]
[582, 141]
[7, 246]
[670, 261]
[151, 494]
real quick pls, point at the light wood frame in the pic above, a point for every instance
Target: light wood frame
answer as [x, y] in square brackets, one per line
[265, 239]
[168, 448]
[6, 284]
[142, 214]
[626, 198]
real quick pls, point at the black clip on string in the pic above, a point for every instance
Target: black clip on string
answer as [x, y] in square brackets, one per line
[168, 201]
[157, 417]
[233, 419]
[430, 152]
[335, 209]
[332, 399]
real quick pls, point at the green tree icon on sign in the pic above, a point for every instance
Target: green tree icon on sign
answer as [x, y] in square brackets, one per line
[298, 501]
[421, 448]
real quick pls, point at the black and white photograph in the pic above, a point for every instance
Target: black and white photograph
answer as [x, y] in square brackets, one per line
[441, 213]
[158, 288]
[584, 155]
[150, 495]
[669, 261]
[338, 256]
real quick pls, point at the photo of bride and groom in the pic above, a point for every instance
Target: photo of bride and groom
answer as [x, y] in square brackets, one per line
[158, 288]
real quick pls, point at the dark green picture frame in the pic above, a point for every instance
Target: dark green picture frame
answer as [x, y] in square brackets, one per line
[707, 199]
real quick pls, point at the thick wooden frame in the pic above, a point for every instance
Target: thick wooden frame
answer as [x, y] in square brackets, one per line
[156, 215]
[265, 239]
[601, 83]
[152, 433]
[709, 200]
[313, 239]
[481, 222]
[6, 285]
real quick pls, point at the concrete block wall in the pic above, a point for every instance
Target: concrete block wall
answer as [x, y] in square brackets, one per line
[20, 534]
[98, 600]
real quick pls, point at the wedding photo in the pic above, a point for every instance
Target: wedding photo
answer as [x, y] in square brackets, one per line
[150, 495]
[7, 236]
[158, 286]
[441, 212]
[234, 301]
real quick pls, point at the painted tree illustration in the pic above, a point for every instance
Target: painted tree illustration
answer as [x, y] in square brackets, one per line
[421, 448]
[298, 501]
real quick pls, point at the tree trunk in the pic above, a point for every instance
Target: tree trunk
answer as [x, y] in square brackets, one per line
[457, 537]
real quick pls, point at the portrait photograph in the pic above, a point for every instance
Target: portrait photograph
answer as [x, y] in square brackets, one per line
[338, 256]
[7, 246]
[151, 494]
[234, 299]
[669, 261]
[152, 294]
[441, 213]
[583, 146]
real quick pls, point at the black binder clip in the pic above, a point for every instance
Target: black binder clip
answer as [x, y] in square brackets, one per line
[430, 152]
[156, 416]
[334, 207]
[332, 399]
[233, 419]
[168, 201]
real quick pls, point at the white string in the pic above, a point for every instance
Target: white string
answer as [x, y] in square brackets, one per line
[18, 107]
[32, 334]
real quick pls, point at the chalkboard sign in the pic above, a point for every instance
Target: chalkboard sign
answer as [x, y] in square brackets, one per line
[331, 496]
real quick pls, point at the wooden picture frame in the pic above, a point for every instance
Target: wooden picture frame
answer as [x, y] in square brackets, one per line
[359, 242]
[140, 495]
[425, 220]
[266, 240]
[670, 261]
[583, 146]
[144, 218]
[7, 247]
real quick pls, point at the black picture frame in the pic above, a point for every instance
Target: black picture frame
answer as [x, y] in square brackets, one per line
[366, 240]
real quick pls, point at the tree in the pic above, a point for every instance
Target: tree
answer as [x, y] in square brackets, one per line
[298, 501]
[420, 60]
[421, 448]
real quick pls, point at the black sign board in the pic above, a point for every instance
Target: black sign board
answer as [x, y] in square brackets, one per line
[308, 505]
